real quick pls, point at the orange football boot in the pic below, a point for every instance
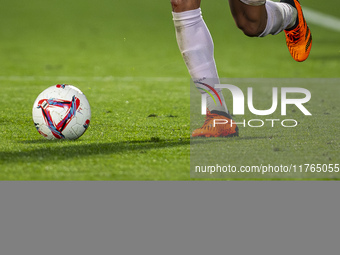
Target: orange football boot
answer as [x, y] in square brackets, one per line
[217, 124]
[299, 37]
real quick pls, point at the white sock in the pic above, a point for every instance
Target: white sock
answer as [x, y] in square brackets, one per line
[280, 16]
[197, 48]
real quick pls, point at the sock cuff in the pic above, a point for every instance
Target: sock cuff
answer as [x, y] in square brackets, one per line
[187, 17]
[254, 2]
[280, 16]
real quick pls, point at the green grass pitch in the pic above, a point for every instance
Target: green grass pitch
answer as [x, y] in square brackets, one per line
[124, 57]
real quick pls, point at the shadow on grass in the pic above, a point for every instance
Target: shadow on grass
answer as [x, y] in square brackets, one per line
[204, 140]
[61, 150]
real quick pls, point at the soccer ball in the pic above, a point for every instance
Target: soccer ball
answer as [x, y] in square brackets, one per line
[61, 112]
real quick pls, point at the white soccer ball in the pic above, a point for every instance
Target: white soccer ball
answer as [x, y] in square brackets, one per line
[61, 112]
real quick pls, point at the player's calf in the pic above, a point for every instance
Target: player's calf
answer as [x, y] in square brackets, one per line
[249, 15]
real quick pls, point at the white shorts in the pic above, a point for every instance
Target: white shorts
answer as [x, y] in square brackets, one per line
[254, 2]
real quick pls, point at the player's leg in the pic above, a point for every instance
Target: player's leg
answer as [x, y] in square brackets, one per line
[195, 44]
[250, 18]
[261, 17]
[197, 48]
[185, 5]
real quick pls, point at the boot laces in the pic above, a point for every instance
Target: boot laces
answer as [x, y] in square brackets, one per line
[294, 36]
